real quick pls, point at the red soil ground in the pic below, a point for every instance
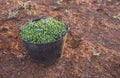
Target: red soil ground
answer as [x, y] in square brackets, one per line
[92, 49]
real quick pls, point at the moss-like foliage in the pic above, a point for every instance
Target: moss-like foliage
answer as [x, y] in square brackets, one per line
[43, 31]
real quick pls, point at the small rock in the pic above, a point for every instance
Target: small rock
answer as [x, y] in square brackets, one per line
[18, 73]
[96, 53]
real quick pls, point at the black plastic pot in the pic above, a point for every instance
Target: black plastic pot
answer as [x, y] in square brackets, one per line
[47, 53]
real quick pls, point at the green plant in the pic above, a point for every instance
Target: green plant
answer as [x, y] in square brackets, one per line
[43, 31]
[117, 17]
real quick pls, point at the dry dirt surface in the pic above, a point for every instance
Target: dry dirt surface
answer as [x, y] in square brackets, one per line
[92, 49]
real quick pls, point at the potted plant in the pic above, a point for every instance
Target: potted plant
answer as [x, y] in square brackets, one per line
[43, 39]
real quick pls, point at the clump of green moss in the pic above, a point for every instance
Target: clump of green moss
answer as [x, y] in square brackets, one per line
[43, 31]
